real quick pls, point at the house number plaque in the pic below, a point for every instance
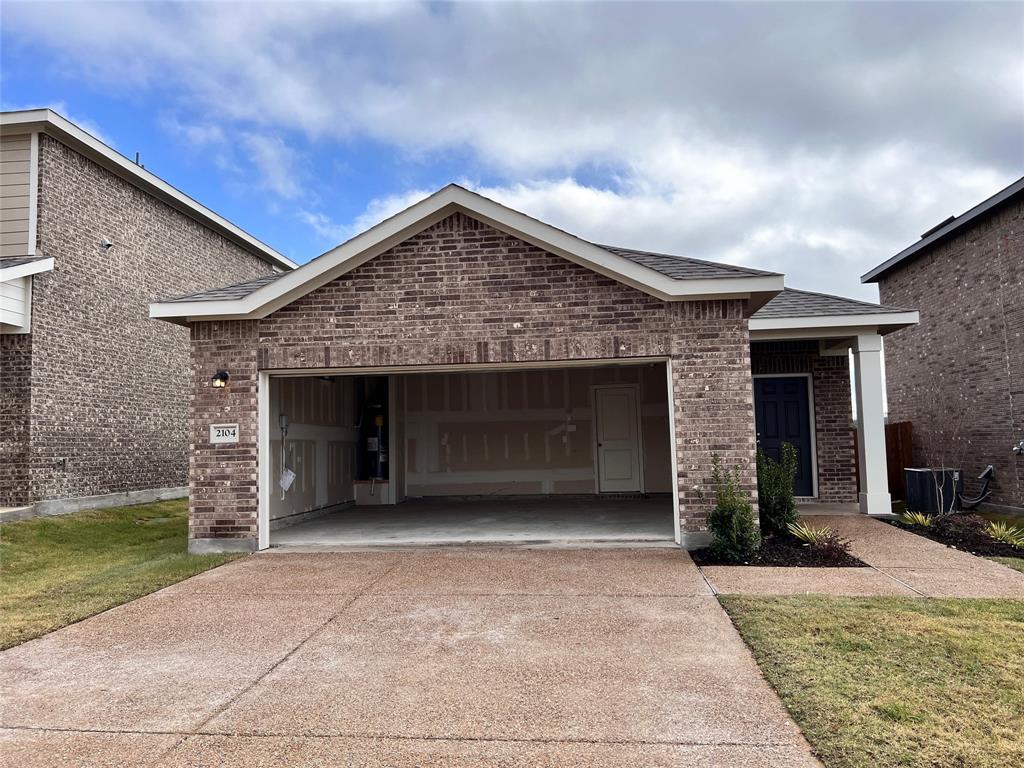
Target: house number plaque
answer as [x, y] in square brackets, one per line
[223, 433]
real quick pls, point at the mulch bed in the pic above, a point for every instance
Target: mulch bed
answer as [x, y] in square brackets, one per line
[784, 551]
[965, 532]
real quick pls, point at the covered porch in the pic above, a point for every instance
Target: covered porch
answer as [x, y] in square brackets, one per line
[818, 373]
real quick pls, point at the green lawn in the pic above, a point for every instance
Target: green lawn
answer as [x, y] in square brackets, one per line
[55, 571]
[1017, 563]
[895, 681]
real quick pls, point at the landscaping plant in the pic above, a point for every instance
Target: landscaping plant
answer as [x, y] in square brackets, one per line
[775, 490]
[735, 536]
[1008, 534]
[823, 539]
[808, 534]
[917, 518]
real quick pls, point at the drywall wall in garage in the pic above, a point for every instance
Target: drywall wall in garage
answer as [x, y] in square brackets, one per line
[319, 445]
[523, 432]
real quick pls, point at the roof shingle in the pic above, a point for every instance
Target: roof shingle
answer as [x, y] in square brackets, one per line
[794, 303]
[684, 267]
[230, 292]
[6, 262]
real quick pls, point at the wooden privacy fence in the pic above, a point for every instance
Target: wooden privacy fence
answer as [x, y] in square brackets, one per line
[898, 456]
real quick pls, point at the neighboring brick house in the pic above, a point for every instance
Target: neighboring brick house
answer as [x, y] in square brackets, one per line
[93, 395]
[958, 377]
[461, 348]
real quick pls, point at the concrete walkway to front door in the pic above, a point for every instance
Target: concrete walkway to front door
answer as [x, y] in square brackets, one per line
[459, 657]
[900, 563]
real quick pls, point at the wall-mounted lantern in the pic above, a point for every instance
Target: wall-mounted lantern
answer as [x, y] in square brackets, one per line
[219, 380]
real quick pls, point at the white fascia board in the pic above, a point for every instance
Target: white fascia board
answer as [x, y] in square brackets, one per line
[829, 326]
[48, 121]
[24, 270]
[441, 204]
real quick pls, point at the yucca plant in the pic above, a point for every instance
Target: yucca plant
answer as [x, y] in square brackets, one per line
[810, 535]
[1007, 534]
[917, 518]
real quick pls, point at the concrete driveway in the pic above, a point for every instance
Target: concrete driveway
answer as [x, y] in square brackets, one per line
[459, 657]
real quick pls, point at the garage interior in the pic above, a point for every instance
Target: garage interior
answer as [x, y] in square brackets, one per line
[572, 454]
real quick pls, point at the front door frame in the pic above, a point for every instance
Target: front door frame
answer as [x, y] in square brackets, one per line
[812, 427]
[264, 481]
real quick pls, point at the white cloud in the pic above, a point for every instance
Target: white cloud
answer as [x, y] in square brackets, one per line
[797, 216]
[197, 135]
[818, 149]
[324, 227]
[276, 162]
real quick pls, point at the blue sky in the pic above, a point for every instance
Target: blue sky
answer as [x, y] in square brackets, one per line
[812, 139]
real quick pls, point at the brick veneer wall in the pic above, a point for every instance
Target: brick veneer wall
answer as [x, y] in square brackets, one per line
[958, 376]
[15, 402]
[460, 293]
[110, 387]
[833, 410]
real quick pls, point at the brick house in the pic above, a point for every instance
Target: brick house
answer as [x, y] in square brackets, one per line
[967, 277]
[93, 395]
[463, 372]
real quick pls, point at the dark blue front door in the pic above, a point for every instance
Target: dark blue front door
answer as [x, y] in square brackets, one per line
[782, 414]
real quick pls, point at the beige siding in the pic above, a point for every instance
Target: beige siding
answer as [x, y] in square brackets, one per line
[15, 196]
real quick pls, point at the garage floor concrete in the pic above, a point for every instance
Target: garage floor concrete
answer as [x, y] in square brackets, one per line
[506, 520]
[456, 657]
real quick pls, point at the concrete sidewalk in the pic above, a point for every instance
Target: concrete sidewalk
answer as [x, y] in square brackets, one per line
[461, 657]
[901, 563]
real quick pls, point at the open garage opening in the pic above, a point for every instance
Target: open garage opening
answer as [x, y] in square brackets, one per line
[514, 455]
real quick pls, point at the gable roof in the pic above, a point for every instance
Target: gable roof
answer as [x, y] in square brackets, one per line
[945, 230]
[796, 303]
[676, 267]
[685, 267]
[49, 122]
[670, 278]
[794, 310]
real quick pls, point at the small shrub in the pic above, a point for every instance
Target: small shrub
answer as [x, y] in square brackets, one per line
[736, 538]
[917, 518]
[776, 504]
[834, 545]
[1007, 534]
[824, 539]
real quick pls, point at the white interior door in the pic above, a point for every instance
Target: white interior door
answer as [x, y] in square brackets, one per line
[618, 443]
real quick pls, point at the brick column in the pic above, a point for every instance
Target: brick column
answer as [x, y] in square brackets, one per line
[222, 477]
[713, 410]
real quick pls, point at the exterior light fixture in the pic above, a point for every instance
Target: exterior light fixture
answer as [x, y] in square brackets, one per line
[220, 379]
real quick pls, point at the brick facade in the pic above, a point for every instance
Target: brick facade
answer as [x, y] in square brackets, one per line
[15, 402]
[463, 293]
[959, 375]
[832, 405]
[109, 387]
